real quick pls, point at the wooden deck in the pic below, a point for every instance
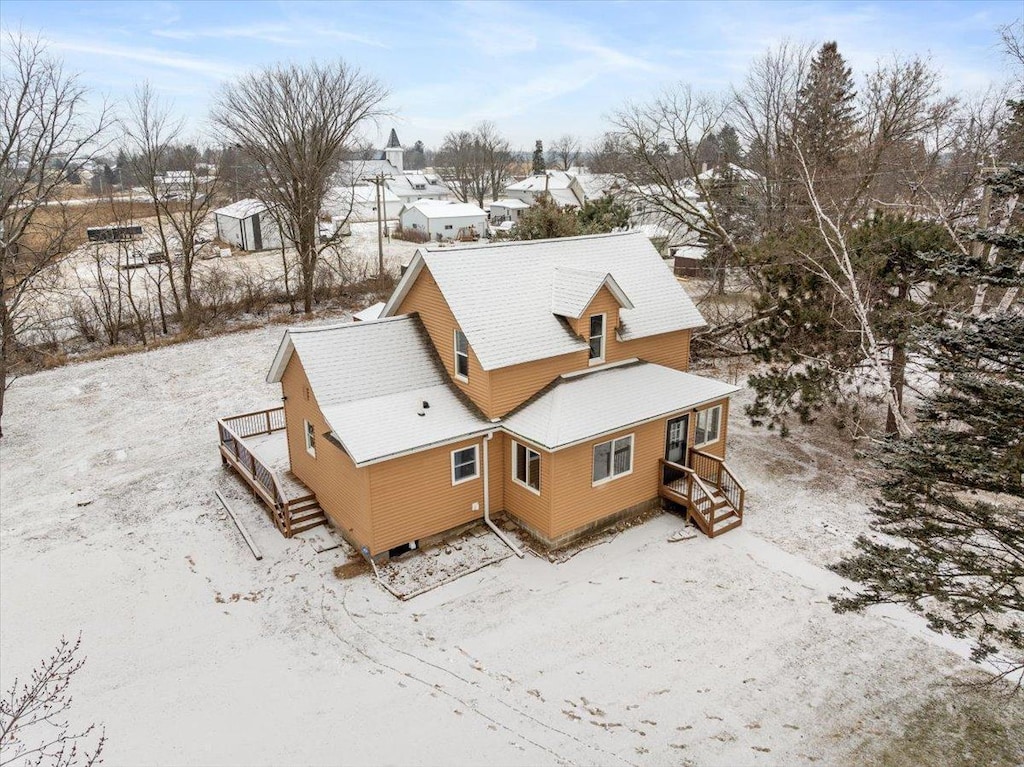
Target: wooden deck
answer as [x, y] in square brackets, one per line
[711, 494]
[255, 446]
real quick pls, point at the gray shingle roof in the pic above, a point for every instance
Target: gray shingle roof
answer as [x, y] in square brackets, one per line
[572, 290]
[501, 294]
[582, 406]
[370, 380]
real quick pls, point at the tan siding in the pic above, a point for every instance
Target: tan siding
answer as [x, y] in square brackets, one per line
[669, 349]
[512, 386]
[413, 496]
[520, 502]
[577, 502]
[604, 303]
[425, 299]
[341, 489]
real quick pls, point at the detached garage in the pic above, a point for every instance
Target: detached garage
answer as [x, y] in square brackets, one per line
[247, 225]
[444, 220]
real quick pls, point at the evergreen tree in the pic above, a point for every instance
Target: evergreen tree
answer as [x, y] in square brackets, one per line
[415, 158]
[1011, 135]
[545, 219]
[539, 166]
[804, 333]
[825, 117]
[951, 500]
[602, 215]
[729, 148]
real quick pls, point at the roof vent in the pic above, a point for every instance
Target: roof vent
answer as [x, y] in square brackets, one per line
[425, 404]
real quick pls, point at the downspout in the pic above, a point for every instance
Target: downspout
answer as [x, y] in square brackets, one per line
[487, 500]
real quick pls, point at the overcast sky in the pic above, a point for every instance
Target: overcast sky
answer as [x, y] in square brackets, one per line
[538, 70]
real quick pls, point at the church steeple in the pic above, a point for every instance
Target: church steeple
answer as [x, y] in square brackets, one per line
[393, 152]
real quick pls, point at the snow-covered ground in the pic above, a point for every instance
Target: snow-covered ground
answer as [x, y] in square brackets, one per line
[637, 651]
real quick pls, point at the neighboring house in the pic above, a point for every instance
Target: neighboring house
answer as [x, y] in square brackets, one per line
[413, 186]
[359, 203]
[247, 225]
[444, 220]
[689, 260]
[508, 209]
[543, 380]
[408, 186]
[563, 187]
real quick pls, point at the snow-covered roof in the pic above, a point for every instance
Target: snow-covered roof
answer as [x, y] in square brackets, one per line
[732, 169]
[564, 197]
[510, 203]
[371, 312]
[356, 170]
[501, 293]
[339, 197]
[242, 208]
[445, 209]
[406, 185]
[581, 406]
[370, 380]
[572, 290]
[550, 180]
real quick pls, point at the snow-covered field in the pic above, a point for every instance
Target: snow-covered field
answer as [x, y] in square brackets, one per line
[635, 652]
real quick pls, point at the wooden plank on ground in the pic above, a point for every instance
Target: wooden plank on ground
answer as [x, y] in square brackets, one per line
[241, 528]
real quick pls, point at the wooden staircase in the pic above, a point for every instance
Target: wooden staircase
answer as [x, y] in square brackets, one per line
[304, 514]
[290, 505]
[707, 489]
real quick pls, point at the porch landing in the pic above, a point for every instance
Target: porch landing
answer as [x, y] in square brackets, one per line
[255, 446]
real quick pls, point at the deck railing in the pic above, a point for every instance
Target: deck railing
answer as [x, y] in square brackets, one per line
[260, 477]
[715, 471]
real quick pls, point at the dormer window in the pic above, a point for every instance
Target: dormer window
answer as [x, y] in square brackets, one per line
[461, 356]
[596, 338]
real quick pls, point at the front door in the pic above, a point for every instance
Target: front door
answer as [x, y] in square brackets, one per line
[675, 439]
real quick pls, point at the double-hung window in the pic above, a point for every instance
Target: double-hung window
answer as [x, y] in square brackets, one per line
[708, 426]
[526, 467]
[461, 356]
[310, 433]
[596, 338]
[613, 459]
[464, 465]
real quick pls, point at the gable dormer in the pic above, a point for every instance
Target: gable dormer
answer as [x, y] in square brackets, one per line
[590, 302]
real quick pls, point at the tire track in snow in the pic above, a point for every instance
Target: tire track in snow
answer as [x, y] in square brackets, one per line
[474, 707]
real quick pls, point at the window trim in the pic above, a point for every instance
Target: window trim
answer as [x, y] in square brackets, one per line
[456, 354]
[604, 339]
[476, 464]
[611, 458]
[309, 437]
[696, 425]
[515, 466]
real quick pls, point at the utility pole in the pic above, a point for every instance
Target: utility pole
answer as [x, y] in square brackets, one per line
[378, 183]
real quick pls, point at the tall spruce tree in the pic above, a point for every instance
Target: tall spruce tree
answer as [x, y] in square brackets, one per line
[539, 166]
[951, 499]
[825, 118]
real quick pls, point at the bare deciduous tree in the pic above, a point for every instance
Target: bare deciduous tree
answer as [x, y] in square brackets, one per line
[46, 135]
[33, 716]
[296, 122]
[565, 152]
[182, 194]
[661, 169]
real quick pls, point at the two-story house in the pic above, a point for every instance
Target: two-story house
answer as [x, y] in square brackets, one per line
[542, 380]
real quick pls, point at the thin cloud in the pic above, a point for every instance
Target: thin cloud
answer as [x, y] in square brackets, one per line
[176, 61]
[273, 34]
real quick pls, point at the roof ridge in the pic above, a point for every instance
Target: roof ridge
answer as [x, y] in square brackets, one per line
[524, 243]
[350, 324]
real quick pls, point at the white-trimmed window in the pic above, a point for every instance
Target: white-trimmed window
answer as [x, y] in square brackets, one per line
[526, 467]
[596, 338]
[309, 431]
[709, 423]
[613, 459]
[464, 465]
[461, 356]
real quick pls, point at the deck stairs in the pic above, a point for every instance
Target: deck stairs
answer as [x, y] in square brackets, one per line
[707, 489]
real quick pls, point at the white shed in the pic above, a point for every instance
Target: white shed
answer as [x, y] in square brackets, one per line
[444, 220]
[362, 198]
[247, 225]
